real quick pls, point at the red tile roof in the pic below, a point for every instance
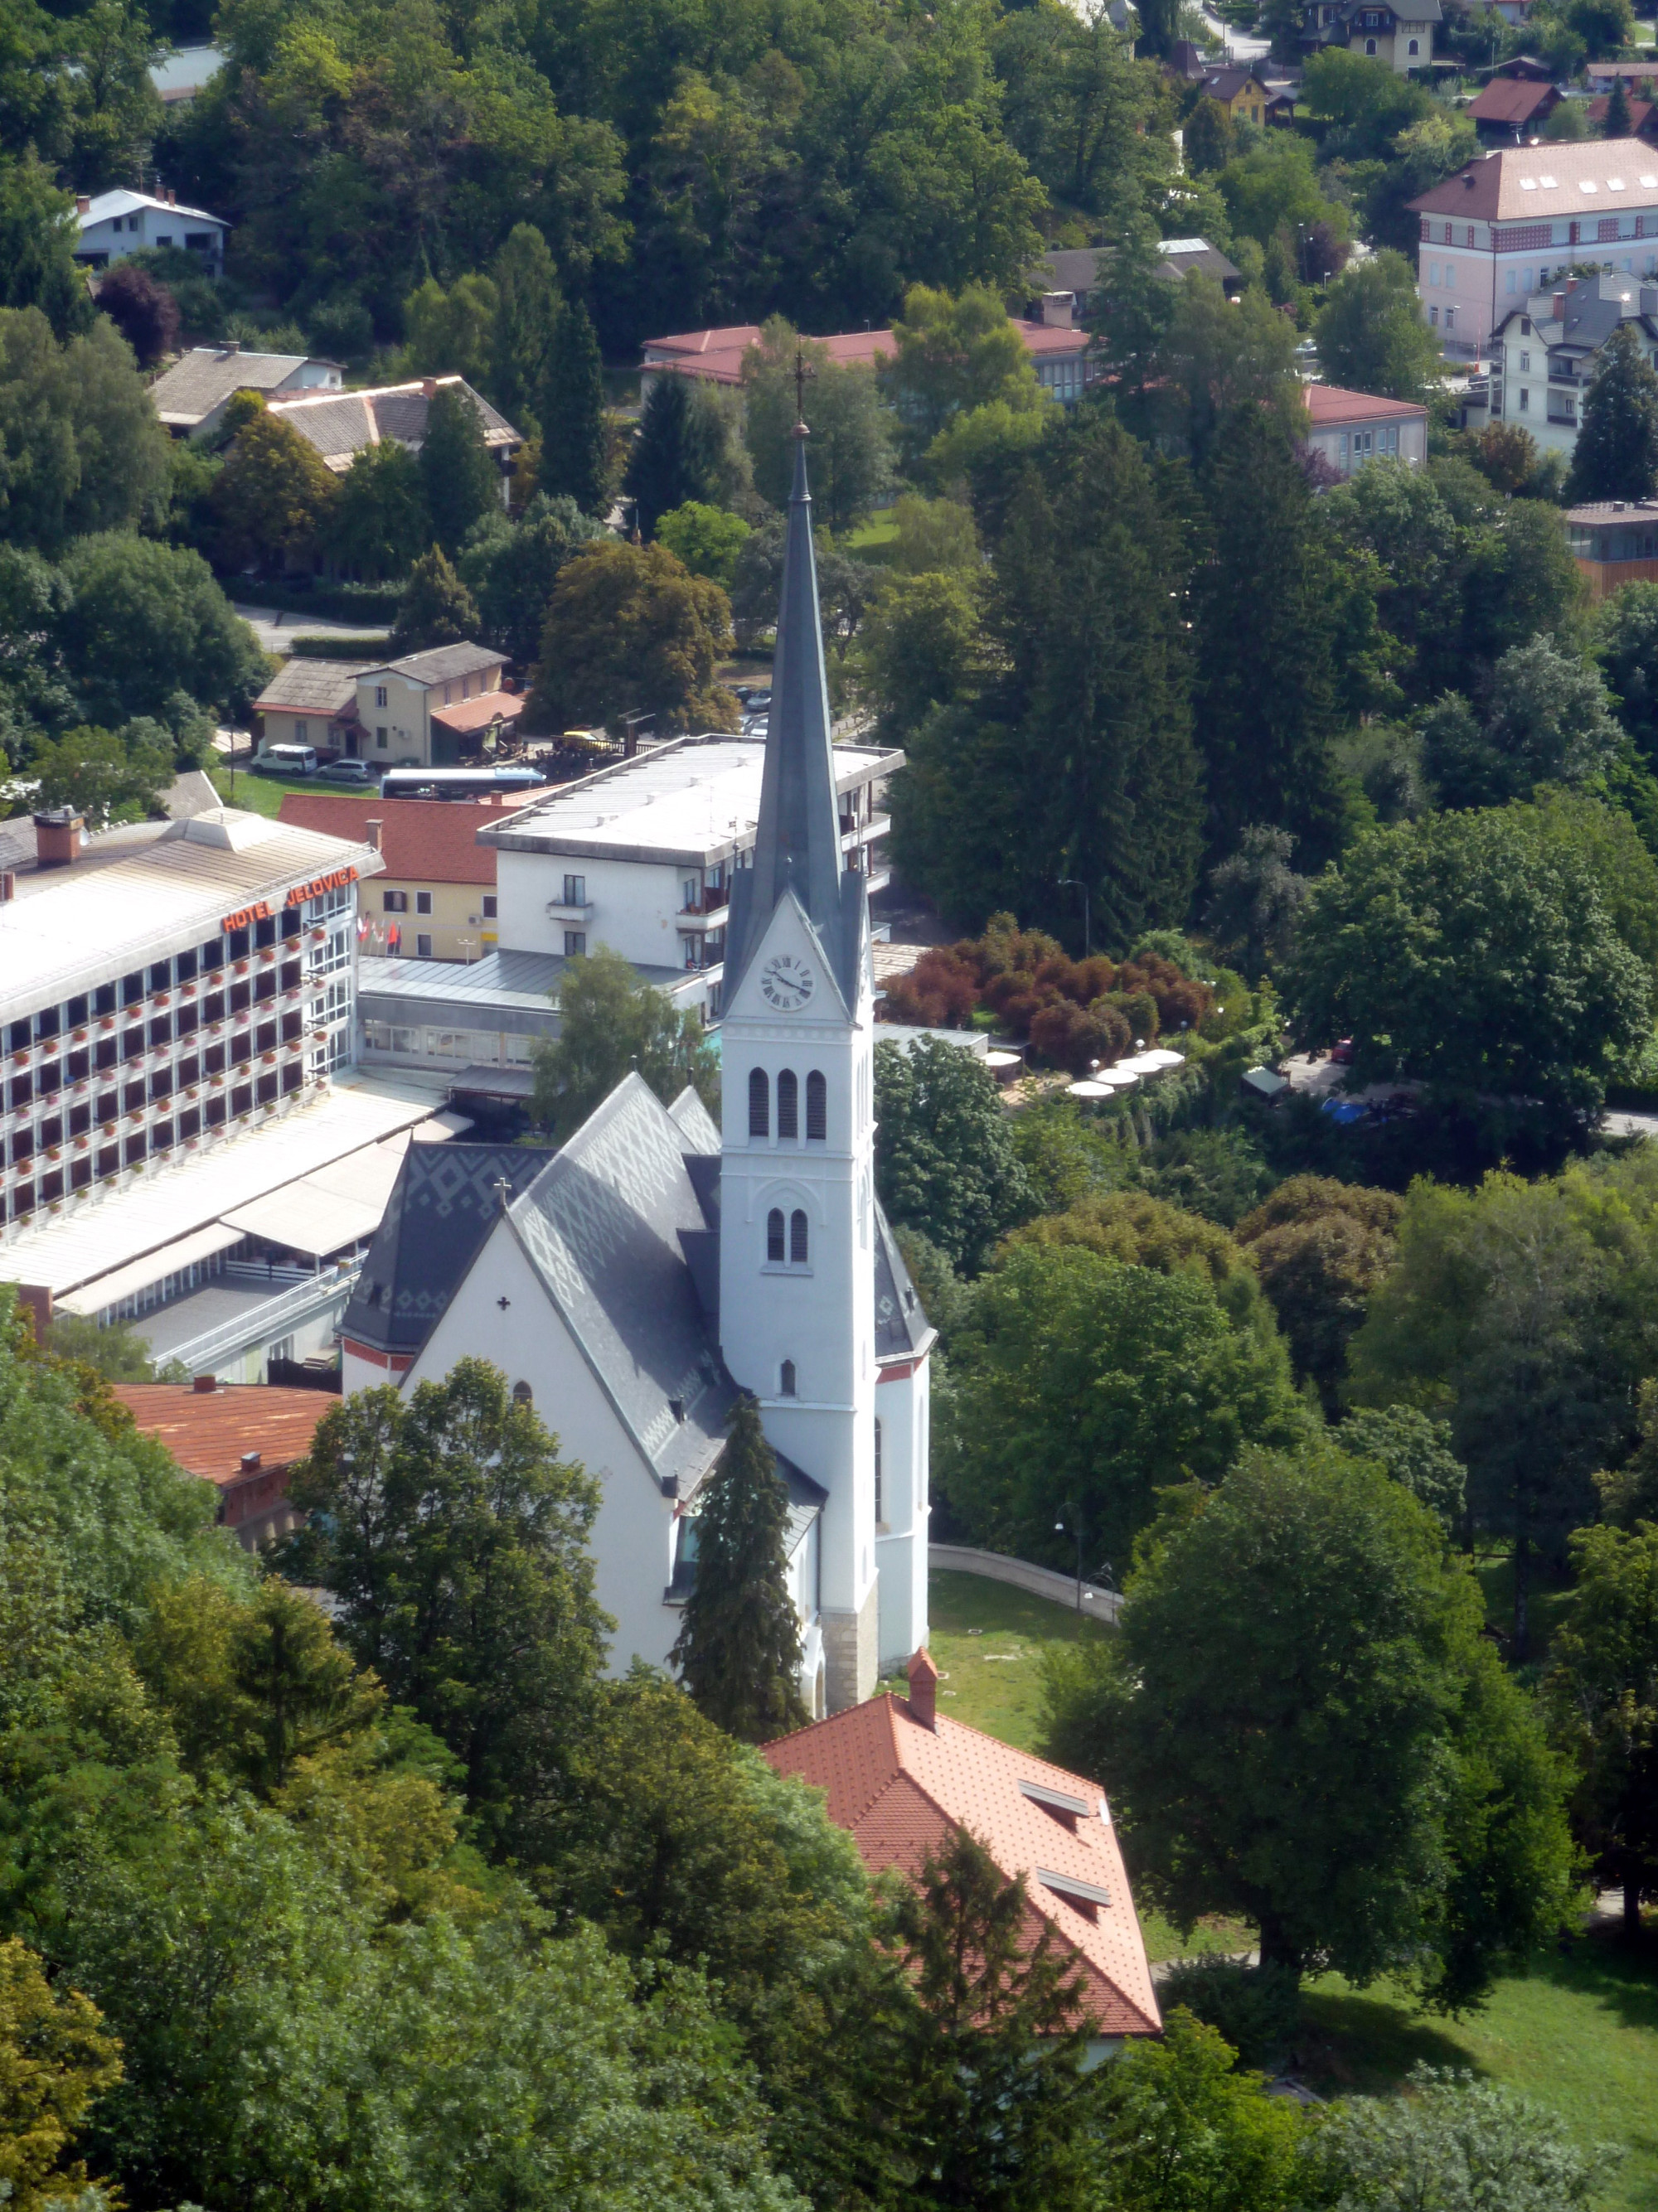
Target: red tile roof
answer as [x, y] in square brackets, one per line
[207, 1432]
[424, 841]
[1640, 112]
[1330, 403]
[717, 356]
[479, 713]
[901, 1787]
[1527, 183]
[1510, 99]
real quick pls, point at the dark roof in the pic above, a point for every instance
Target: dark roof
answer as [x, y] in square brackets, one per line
[442, 663]
[1074, 268]
[443, 1207]
[901, 1326]
[797, 838]
[302, 686]
[1510, 99]
[1227, 83]
[1592, 310]
[1182, 255]
[1528, 65]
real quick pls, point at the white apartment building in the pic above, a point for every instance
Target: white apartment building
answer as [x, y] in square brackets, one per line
[1514, 222]
[1544, 354]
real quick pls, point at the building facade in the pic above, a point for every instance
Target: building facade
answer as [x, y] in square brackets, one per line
[1351, 428]
[1402, 37]
[437, 897]
[1544, 354]
[1518, 220]
[1614, 541]
[113, 224]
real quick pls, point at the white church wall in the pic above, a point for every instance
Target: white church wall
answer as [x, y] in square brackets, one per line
[902, 1407]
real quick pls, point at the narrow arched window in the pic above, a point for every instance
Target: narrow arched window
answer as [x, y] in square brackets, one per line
[760, 1103]
[523, 1394]
[881, 1515]
[774, 1251]
[817, 1108]
[788, 1105]
[797, 1239]
[786, 1380]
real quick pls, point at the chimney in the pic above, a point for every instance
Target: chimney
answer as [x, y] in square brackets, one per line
[1572, 283]
[172, 196]
[231, 345]
[203, 1385]
[250, 1463]
[1058, 310]
[8, 886]
[924, 1689]
[429, 387]
[58, 837]
[1560, 306]
[83, 203]
[373, 829]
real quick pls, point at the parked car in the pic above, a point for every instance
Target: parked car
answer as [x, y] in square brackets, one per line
[1342, 1054]
[286, 760]
[344, 771]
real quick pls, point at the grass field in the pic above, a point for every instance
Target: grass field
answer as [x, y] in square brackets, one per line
[262, 794]
[987, 1641]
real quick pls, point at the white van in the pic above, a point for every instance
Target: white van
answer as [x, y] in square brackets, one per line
[287, 760]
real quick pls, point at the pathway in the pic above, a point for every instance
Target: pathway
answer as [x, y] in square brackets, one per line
[275, 630]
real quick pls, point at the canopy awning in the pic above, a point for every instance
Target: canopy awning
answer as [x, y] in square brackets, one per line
[155, 1267]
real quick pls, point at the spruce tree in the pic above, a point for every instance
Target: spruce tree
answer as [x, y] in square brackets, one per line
[457, 471]
[676, 455]
[1617, 125]
[1617, 455]
[574, 459]
[738, 1648]
[436, 609]
[527, 318]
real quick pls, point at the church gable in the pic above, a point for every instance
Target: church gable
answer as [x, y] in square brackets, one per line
[789, 975]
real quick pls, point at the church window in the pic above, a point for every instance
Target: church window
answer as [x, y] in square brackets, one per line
[817, 1108]
[880, 1516]
[774, 1246]
[788, 1105]
[760, 1103]
[798, 1242]
[786, 1380]
[523, 1394]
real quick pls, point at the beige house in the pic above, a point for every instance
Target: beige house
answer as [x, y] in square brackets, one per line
[1402, 37]
[432, 709]
[311, 702]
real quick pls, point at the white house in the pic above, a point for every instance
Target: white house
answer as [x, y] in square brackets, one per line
[1546, 352]
[1517, 220]
[114, 224]
[655, 1267]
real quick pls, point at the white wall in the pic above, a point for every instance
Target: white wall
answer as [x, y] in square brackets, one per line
[403, 718]
[634, 905]
[902, 1406]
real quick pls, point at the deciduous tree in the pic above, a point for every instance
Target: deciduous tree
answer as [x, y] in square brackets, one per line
[945, 1163]
[146, 626]
[56, 2059]
[1371, 336]
[436, 609]
[379, 525]
[853, 429]
[1320, 1248]
[273, 500]
[609, 1022]
[628, 631]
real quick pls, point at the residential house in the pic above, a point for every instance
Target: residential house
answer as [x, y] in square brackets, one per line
[1600, 74]
[1057, 348]
[191, 395]
[113, 224]
[1351, 428]
[1515, 220]
[1402, 36]
[244, 1438]
[343, 424]
[432, 709]
[1239, 94]
[436, 900]
[1510, 109]
[1075, 271]
[905, 1781]
[1546, 348]
[312, 703]
[1643, 112]
[1614, 541]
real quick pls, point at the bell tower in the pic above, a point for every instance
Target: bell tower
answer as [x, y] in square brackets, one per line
[797, 1322]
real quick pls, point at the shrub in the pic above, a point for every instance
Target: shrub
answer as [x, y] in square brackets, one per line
[1256, 2008]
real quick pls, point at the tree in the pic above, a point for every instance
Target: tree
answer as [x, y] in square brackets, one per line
[454, 1541]
[609, 1022]
[1342, 1758]
[1616, 122]
[379, 522]
[147, 626]
[1201, 358]
[1506, 453]
[1548, 721]
[628, 631]
[436, 609]
[1606, 842]
[510, 569]
[113, 1353]
[451, 333]
[457, 473]
[1255, 896]
[706, 539]
[80, 445]
[944, 1158]
[675, 454]
[955, 354]
[1320, 1248]
[574, 461]
[1453, 951]
[1185, 2130]
[853, 429]
[273, 500]
[1456, 2142]
[1521, 583]
[1081, 1386]
[738, 1651]
[1601, 1692]
[1209, 141]
[56, 2059]
[37, 239]
[1626, 644]
[1371, 336]
[918, 649]
[145, 312]
[521, 330]
[104, 775]
[1615, 456]
[1411, 1448]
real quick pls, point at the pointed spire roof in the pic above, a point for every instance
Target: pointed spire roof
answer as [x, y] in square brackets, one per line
[798, 843]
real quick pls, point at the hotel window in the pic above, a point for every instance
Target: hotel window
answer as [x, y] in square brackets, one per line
[423, 901]
[576, 944]
[394, 902]
[575, 890]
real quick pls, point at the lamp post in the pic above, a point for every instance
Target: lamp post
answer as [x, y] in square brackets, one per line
[1076, 884]
[1059, 1530]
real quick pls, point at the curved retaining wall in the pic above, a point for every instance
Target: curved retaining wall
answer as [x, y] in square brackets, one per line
[1038, 1582]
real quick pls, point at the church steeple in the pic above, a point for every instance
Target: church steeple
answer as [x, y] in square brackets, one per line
[797, 841]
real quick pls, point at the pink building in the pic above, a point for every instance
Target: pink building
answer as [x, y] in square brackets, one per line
[1504, 226]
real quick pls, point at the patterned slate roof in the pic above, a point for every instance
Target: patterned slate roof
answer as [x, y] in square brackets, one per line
[901, 1787]
[901, 1326]
[442, 1208]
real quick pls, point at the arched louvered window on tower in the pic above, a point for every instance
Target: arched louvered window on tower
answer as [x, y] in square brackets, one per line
[799, 1245]
[788, 1105]
[774, 1246]
[817, 1108]
[786, 1380]
[760, 1103]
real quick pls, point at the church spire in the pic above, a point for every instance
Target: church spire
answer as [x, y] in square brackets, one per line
[798, 843]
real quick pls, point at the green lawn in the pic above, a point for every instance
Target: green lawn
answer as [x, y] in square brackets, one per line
[871, 539]
[987, 1641]
[262, 794]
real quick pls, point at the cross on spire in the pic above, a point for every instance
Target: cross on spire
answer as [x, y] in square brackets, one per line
[803, 373]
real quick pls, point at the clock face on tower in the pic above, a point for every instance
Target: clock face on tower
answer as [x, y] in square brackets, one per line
[787, 982]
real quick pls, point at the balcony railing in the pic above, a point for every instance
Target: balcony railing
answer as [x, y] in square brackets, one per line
[267, 1322]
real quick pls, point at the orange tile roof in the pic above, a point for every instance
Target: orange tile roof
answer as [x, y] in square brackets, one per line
[207, 1432]
[477, 714]
[424, 841]
[1330, 403]
[717, 356]
[900, 1787]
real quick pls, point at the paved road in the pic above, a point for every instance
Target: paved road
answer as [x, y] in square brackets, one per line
[274, 629]
[1631, 1125]
[1240, 45]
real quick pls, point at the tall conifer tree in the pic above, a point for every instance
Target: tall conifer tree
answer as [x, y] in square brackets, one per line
[675, 458]
[574, 459]
[457, 470]
[526, 319]
[739, 1649]
[1616, 453]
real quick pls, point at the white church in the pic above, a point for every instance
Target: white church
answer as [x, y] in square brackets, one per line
[633, 1282]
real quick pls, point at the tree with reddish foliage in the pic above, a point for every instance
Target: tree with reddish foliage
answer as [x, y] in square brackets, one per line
[145, 312]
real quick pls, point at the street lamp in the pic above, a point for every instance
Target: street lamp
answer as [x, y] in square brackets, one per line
[1059, 1530]
[1076, 884]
